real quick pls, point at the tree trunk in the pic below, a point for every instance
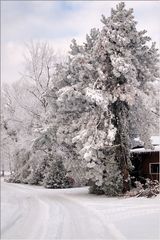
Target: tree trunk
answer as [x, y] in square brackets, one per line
[10, 168]
[120, 110]
[2, 170]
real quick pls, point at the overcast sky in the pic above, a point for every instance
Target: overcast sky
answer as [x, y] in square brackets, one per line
[58, 22]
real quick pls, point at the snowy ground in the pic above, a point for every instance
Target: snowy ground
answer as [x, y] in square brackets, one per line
[30, 212]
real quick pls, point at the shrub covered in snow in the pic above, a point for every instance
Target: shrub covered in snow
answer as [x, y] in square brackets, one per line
[150, 188]
[56, 176]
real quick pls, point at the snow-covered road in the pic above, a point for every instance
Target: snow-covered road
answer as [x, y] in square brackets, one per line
[30, 212]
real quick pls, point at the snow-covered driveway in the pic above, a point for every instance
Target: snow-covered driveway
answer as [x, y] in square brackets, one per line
[30, 212]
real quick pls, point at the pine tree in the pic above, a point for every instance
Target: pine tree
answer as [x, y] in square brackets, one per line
[112, 76]
[56, 176]
[38, 169]
[129, 67]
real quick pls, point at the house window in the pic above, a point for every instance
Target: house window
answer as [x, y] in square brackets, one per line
[154, 168]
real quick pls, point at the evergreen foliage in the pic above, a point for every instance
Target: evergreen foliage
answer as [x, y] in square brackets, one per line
[110, 77]
[56, 176]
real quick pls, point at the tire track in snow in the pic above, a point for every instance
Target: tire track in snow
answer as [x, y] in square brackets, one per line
[88, 223]
[30, 221]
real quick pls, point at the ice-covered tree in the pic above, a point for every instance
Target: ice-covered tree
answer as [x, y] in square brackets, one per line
[40, 63]
[112, 77]
[73, 108]
[15, 125]
[26, 104]
[131, 67]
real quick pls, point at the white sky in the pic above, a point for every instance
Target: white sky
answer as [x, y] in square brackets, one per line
[58, 22]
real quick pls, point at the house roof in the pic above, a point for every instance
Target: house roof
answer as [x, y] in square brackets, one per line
[139, 150]
[155, 140]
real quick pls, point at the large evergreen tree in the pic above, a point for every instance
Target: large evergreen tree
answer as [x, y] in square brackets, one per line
[127, 64]
[112, 75]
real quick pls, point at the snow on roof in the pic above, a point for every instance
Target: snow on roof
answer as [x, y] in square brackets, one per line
[138, 150]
